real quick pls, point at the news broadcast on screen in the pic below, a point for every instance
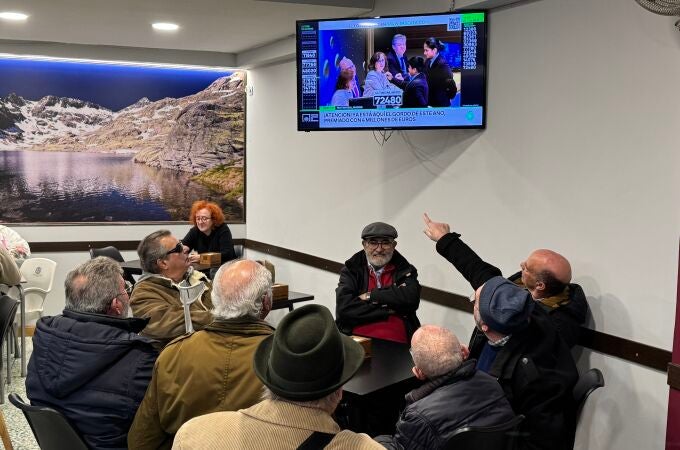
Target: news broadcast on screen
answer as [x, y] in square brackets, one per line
[398, 72]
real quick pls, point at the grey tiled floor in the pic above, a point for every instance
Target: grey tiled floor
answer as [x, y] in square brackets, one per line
[19, 430]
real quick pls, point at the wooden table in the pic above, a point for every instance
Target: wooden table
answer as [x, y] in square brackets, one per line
[293, 297]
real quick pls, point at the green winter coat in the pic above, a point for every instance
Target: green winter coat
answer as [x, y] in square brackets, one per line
[208, 371]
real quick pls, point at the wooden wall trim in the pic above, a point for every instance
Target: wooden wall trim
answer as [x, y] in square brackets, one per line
[608, 344]
[84, 246]
[674, 376]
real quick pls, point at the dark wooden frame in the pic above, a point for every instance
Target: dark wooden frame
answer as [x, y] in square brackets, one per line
[645, 355]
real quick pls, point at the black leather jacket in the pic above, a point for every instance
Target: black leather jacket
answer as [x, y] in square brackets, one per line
[463, 397]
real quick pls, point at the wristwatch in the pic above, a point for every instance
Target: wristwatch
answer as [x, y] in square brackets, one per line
[368, 295]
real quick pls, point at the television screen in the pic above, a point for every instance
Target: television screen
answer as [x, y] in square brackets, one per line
[398, 72]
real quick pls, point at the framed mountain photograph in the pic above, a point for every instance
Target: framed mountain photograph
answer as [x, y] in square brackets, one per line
[95, 142]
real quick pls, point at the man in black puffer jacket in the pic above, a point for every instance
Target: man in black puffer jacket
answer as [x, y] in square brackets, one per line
[455, 394]
[90, 363]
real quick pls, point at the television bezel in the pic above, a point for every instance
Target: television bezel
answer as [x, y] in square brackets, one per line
[442, 127]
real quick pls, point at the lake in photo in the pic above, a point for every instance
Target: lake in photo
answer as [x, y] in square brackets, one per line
[40, 186]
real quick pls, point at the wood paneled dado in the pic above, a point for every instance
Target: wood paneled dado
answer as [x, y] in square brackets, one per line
[85, 246]
[628, 350]
[674, 376]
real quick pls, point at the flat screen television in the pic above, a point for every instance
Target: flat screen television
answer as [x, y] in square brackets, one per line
[345, 72]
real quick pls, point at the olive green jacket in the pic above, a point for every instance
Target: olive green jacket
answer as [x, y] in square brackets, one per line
[157, 298]
[208, 371]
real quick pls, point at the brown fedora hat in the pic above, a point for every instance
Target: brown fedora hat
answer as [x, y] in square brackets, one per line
[307, 357]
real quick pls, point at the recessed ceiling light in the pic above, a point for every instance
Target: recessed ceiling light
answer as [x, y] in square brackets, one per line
[165, 26]
[13, 15]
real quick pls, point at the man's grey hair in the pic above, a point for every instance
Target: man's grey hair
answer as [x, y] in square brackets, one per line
[436, 351]
[238, 297]
[327, 403]
[92, 286]
[398, 37]
[150, 250]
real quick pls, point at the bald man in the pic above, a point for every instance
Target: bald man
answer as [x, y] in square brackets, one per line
[545, 274]
[455, 394]
[210, 370]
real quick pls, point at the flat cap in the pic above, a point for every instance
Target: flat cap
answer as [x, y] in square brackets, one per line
[379, 229]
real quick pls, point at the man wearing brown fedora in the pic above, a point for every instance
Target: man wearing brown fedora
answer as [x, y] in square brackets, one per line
[378, 292]
[303, 366]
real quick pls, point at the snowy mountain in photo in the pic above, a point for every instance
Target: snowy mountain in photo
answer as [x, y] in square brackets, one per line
[25, 123]
[190, 134]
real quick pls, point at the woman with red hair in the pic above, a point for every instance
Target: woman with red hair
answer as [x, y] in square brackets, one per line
[209, 232]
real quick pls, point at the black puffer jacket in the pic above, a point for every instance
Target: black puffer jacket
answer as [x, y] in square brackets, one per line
[94, 369]
[464, 397]
[403, 296]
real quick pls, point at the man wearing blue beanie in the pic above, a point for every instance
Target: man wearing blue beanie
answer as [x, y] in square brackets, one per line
[517, 343]
[544, 273]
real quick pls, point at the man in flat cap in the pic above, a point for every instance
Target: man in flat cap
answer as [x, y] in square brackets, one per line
[303, 366]
[544, 273]
[378, 293]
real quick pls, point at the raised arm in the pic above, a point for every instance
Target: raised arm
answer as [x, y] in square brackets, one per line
[473, 268]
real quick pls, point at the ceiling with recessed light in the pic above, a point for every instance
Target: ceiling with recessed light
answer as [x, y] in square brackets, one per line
[230, 26]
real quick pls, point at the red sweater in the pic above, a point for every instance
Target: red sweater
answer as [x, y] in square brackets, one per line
[392, 329]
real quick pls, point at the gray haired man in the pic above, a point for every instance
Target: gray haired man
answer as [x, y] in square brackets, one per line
[213, 365]
[156, 296]
[89, 363]
[455, 394]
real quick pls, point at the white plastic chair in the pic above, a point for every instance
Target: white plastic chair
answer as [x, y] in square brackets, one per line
[39, 275]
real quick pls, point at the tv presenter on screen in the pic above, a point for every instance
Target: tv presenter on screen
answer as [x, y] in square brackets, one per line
[209, 232]
[376, 78]
[442, 87]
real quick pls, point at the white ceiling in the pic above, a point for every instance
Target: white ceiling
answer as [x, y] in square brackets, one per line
[230, 26]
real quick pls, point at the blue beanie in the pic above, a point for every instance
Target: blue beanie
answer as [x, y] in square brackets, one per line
[504, 306]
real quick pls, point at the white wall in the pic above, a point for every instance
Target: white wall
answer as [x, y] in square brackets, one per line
[580, 155]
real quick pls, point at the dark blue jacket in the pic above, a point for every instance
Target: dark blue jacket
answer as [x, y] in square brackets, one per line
[94, 369]
[415, 91]
[464, 397]
[394, 66]
[440, 81]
